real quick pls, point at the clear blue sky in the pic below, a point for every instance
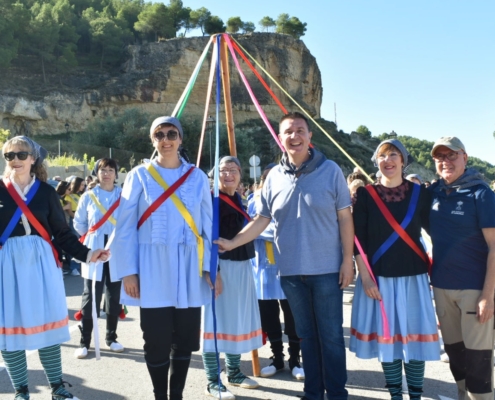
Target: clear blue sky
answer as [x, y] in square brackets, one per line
[423, 68]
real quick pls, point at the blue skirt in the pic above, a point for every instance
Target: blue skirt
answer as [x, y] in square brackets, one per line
[237, 312]
[411, 317]
[266, 276]
[33, 307]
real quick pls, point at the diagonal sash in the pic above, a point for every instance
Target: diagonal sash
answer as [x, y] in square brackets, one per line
[395, 225]
[107, 215]
[413, 203]
[31, 218]
[170, 192]
[18, 213]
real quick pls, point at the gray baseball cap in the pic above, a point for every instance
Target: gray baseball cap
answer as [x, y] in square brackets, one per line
[167, 120]
[452, 142]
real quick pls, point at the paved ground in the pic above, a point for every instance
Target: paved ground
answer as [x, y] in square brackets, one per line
[124, 376]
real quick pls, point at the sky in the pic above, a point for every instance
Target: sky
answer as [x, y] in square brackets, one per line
[422, 68]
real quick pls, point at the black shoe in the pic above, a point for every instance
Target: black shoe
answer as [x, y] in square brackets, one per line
[60, 393]
[22, 393]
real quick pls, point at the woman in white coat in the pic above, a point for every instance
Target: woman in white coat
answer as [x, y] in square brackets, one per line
[95, 220]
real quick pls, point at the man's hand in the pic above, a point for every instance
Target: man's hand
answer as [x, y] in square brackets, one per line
[131, 285]
[100, 255]
[346, 274]
[218, 283]
[485, 308]
[224, 245]
[370, 288]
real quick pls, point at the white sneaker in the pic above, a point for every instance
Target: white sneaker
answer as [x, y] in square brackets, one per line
[116, 347]
[298, 373]
[81, 352]
[247, 383]
[75, 272]
[268, 371]
[213, 391]
[445, 358]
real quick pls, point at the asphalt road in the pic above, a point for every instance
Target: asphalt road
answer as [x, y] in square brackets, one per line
[124, 376]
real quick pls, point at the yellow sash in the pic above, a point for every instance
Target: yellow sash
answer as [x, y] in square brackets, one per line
[183, 211]
[269, 252]
[73, 199]
[101, 208]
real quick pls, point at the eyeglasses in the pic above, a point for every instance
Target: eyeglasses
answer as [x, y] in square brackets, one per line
[170, 135]
[21, 155]
[452, 156]
[232, 171]
[106, 171]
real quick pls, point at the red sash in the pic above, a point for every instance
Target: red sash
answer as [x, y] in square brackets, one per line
[31, 218]
[100, 223]
[396, 226]
[234, 206]
[164, 196]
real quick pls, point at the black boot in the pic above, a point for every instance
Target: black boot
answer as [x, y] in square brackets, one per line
[415, 392]
[159, 378]
[277, 364]
[294, 352]
[179, 365]
[86, 328]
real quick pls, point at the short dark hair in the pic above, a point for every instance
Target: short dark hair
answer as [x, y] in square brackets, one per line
[108, 162]
[62, 188]
[294, 115]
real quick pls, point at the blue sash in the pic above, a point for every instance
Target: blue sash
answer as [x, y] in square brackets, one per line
[17, 215]
[407, 219]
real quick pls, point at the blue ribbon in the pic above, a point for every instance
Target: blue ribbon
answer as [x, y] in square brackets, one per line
[407, 219]
[17, 215]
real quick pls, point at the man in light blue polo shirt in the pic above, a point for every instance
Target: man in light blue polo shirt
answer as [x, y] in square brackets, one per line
[307, 197]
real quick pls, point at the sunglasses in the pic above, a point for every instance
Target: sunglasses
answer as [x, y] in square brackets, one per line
[170, 135]
[21, 155]
[450, 156]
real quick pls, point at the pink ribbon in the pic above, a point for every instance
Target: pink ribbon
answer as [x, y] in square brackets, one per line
[386, 327]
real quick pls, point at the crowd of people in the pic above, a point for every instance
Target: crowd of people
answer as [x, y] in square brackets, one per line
[293, 243]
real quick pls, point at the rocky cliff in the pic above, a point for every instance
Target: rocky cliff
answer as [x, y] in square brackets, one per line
[152, 79]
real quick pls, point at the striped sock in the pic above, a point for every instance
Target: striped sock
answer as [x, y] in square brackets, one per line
[234, 373]
[415, 372]
[15, 362]
[211, 367]
[51, 360]
[393, 377]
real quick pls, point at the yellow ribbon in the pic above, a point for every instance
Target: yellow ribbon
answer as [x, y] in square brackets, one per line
[183, 211]
[101, 208]
[269, 252]
[302, 109]
[73, 199]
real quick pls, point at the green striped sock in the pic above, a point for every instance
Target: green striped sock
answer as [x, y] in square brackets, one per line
[393, 377]
[211, 367]
[234, 373]
[15, 362]
[415, 373]
[51, 360]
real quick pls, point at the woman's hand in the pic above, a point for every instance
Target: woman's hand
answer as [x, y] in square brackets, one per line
[218, 283]
[224, 245]
[371, 289]
[100, 255]
[131, 286]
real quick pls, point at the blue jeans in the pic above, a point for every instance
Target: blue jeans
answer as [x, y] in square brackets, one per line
[316, 302]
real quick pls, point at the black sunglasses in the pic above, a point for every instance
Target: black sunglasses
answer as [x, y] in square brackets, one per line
[21, 155]
[170, 135]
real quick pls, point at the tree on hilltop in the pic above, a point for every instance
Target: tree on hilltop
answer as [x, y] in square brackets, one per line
[363, 131]
[266, 23]
[155, 18]
[248, 27]
[290, 26]
[214, 24]
[199, 18]
[234, 24]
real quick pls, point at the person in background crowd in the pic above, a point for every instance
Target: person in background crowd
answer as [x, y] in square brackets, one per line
[163, 256]
[77, 186]
[33, 307]
[88, 180]
[63, 189]
[400, 268]
[271, 297]
[314, 253]
[415, 178]
[427, 183]
[462, 221]
[237, 312]
[99, 207]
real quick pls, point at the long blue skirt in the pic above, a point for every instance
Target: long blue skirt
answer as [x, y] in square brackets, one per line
[33, 308]
[411, 317]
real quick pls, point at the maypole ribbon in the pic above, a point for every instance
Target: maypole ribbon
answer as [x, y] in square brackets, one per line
[385, 325]
[179, 107]
[304, 111]
[251, 93]
[207, 103]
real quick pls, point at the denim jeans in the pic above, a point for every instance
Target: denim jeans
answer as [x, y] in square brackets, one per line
[316, 302]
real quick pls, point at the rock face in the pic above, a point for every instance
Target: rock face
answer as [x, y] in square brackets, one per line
[153, 78]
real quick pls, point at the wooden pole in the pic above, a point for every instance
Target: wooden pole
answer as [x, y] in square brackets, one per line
[255, 361]
[226, 96]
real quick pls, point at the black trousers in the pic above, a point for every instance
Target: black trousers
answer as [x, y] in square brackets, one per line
[170, 336]
[270, 317]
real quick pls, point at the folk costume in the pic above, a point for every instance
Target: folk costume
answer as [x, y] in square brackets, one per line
[33, 308]
[169, 259]
[97, 206]
[237, 312]
[271, 298]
